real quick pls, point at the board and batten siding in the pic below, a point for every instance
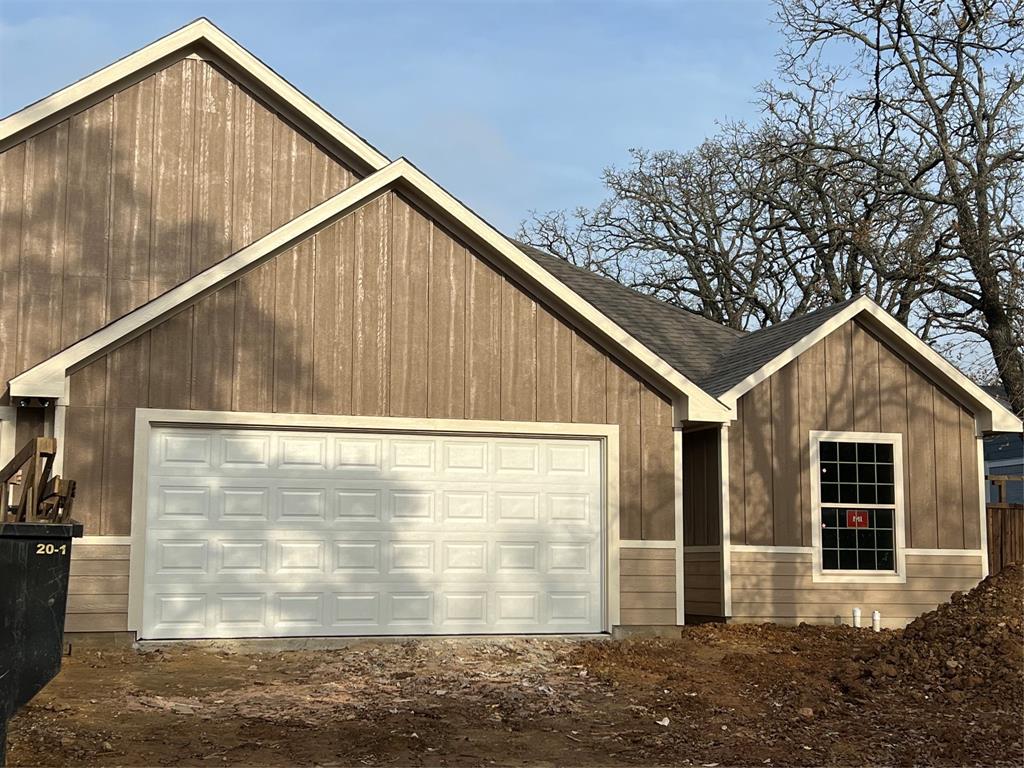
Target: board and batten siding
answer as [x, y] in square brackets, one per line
[702, 519]
[136, 193]
[851, 381]
[380, 313]
[777, 587]
[647, 586]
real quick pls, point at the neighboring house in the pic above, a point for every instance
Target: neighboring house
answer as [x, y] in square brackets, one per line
[305, 391]
[1004, 456]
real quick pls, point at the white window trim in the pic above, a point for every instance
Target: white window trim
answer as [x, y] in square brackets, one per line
[818, 574]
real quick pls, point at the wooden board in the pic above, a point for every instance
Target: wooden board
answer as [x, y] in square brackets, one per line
[483, 341]
[131, 195]
[173, 137]
[785, 453]
[371, 301]
[518, 353]
[555, 370]
[410, 248]
[87, 240]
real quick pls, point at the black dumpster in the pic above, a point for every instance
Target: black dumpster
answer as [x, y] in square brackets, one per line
[34, 562]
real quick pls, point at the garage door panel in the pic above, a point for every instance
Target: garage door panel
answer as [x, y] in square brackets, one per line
[256, 532]
[222, 554]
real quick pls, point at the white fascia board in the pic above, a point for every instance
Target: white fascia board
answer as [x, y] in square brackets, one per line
[991, 416]
[199, 32]
[701, 406]
[47, 379]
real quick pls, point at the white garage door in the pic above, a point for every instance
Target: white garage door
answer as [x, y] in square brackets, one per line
[271, 533]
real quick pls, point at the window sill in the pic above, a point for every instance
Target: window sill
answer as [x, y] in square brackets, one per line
[857, 577]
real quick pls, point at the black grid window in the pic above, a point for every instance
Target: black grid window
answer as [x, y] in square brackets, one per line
[858, 497]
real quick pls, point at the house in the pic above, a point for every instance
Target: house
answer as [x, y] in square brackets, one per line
[1004, 459]
[305, 391]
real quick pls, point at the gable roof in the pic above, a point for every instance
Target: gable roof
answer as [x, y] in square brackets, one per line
[756, 356]
[751, 352]
[689, 342]
[202, 38]
[49, 378]
[709, 365]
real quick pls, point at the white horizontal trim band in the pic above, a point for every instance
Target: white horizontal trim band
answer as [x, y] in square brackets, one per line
[645, 544]
[945, 552]
[106, 540]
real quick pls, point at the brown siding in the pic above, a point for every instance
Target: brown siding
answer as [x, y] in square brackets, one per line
[701, 502]
[851, 381]
[647, 586]
[702, 583]
[98, 588]
[771, 586]
[362, 284]
[134, 194]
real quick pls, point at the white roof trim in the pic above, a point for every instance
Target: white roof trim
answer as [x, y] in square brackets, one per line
[48, 378]
[993, 416]
[201, 31]
[701, 406]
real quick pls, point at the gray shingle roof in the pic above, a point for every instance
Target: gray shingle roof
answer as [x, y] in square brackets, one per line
[754, 350]
[685, 340]
[713, 356]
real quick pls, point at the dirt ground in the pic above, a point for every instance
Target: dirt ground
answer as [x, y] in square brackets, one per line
[948, 691]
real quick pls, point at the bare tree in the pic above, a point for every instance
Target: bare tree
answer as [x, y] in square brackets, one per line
[899, 174]
[932, 107]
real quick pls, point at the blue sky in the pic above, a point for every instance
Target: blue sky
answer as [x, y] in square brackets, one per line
[511, 106]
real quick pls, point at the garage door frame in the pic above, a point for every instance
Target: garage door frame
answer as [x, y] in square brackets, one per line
[146, 419]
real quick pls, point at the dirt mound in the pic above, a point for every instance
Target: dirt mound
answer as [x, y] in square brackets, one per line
[971, 647]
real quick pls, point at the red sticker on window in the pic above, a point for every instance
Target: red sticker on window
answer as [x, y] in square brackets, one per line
[856, 518]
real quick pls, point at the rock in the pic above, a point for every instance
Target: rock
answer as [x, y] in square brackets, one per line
[806, 713]
[108, 747]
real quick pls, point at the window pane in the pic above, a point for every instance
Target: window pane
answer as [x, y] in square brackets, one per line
[853, 473]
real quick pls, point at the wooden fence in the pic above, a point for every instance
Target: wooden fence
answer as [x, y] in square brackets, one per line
[1005, 526]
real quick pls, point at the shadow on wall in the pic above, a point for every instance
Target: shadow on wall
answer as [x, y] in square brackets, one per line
[366, 555]
[122, 202]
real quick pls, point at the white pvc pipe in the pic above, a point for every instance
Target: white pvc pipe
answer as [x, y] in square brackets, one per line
[856, 617]
[876, 621]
